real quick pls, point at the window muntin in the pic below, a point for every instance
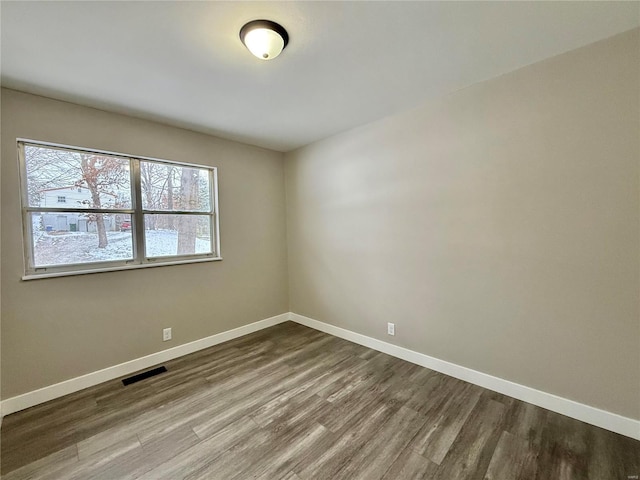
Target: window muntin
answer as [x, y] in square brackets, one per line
[119, 211]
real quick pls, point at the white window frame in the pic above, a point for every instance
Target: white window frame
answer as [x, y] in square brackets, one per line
[136, 212]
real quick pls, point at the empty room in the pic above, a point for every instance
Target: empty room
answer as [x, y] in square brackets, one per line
[320, 240]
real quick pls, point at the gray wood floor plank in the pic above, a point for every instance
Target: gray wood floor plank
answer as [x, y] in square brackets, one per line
[291, 476]
[204, 452]
[472, 450]
[59, 460]
[176, 441]
[410, 466]
[101, 442]
[113, 461]
[512, 459]
[310, 408]
[376, 455]
[293, 403]
[292, 442]
[336, 456]
[437, 435]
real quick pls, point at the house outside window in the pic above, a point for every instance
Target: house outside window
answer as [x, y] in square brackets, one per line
[120, 211]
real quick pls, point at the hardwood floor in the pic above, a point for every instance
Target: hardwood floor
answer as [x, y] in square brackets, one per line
[293, 403]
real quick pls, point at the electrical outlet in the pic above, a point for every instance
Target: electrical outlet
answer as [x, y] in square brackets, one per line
[166, 334]
[391, 328]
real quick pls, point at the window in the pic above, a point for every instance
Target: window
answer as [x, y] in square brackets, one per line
[119, 211]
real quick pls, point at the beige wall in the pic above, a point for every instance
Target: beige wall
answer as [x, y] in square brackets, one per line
[59, 328]
[497, 228]
[1, 416]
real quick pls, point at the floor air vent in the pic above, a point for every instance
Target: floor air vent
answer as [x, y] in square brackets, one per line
[143, 375]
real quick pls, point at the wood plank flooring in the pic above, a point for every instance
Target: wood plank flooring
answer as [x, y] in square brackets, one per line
[293, 403]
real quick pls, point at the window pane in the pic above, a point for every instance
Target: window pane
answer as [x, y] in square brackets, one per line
[177, 235]
[61, 238]
[68, 178]
[174, 187]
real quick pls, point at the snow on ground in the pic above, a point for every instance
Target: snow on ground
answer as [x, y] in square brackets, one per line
[56, 248]
[165, 242]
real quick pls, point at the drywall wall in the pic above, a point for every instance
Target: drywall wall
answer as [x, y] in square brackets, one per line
[1, 414]
[58, 328]
[498, 228]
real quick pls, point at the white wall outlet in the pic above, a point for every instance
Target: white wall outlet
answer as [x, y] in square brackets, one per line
[391, 328]
[166, 334]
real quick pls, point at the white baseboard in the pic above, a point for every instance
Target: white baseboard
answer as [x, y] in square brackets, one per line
[594, 416]
[585, 413]
[36, 397]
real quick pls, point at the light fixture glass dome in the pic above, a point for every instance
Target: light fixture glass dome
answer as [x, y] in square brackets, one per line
[264, 43]
[264, 39]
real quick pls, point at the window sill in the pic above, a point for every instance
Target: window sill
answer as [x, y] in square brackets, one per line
[36, 276]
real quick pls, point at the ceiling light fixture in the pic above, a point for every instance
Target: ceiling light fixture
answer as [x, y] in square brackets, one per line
[264, 38]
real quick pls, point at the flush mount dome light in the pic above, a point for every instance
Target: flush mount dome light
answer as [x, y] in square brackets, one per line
[264, 38]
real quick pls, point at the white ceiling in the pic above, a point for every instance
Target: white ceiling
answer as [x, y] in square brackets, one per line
[347, 63]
